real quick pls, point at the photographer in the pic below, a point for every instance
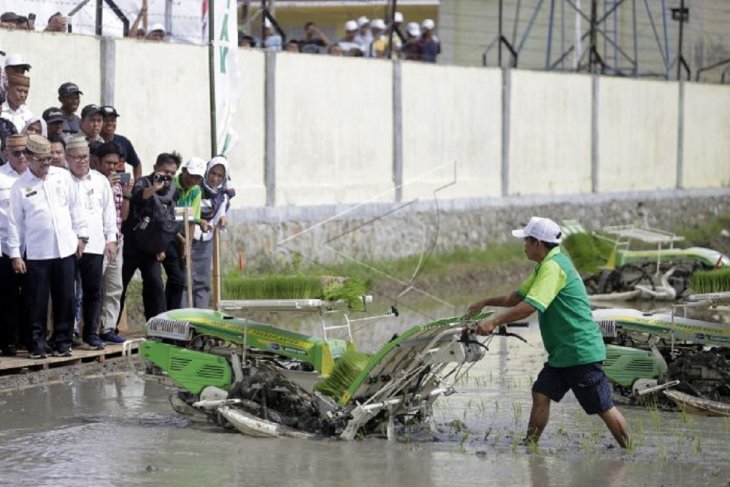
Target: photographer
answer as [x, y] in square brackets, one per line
[149, 229]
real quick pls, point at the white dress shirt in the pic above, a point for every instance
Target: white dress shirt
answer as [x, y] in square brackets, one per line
[46, 216]
[8, 176]
[19, 117]
[99, 210]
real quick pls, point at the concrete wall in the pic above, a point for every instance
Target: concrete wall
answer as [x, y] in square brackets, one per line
[446, 133]
[706, 155]
[637, 127]
[175, 115]
[549, 133]
[333, 129]
[247, 158]
[320, 130]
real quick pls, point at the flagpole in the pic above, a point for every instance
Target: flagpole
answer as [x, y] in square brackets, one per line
[211, 77]
[213, 147]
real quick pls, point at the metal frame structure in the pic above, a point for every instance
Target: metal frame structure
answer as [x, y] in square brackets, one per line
[100, 13]
[603, 33]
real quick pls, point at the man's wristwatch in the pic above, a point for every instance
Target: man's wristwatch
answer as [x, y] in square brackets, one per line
[84, 239]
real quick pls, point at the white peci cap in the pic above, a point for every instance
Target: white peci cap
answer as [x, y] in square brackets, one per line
[362, 21]
[195, 166]
[350, 25]
[377, 24]
[16, 60]
[428, 24]
[398, 17]
[543, 229]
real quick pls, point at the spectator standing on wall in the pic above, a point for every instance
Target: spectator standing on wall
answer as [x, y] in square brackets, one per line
[14, 108]
[348, 42]
[147, 233]
[69, 95]
[272, 40]
[157, 33]
[397, 28]
[412, 48]
[379, 47]
[292, 45]
[13, 313]
[101, 218]
[315, 41]
[47, 231]
[429, 45]
[109, 155]
[57, 23]
[54, 121]
[214, 206]
[364, 37]
[188, 195]
[92, 119]
[109, 134]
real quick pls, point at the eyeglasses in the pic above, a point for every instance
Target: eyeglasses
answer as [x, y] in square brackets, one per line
[44, 162]
[82, 158]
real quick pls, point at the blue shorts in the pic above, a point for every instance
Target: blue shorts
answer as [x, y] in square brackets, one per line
[588, 382]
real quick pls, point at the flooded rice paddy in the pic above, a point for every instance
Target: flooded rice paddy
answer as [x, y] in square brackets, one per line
[115, 429]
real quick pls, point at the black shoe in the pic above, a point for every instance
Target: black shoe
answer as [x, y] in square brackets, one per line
[62, 352]
[35, 353]
[93, 342]
[10, 351]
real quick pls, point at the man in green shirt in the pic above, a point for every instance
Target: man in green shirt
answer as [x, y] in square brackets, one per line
[573, 341]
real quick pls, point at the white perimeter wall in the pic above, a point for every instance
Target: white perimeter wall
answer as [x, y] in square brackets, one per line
[451, 127]
[550, 133]
[637, 134]
[335, 124]
[334, 129]
[706, 136]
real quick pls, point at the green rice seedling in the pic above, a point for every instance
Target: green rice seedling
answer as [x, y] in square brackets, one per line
[464, 439]
[346, 370]
[587, 252]
[698, 445]
[712, 281]
[517, 413]
[496, 406]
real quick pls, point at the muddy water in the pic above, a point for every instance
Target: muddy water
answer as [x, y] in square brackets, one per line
[119, 430]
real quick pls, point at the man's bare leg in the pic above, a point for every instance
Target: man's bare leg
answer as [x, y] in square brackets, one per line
[539, 416]
[617, 426]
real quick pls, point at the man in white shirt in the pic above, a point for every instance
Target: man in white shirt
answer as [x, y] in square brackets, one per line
[14, 108]
[10, 282]
[46, 224]
[101, 218]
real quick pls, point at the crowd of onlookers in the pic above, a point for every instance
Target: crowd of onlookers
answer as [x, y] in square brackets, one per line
[363, 37]
[75, 225]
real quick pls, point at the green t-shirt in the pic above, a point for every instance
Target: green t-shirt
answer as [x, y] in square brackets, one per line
[568, 331]
[190, 198]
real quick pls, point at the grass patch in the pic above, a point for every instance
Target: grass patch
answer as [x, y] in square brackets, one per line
[705, 232]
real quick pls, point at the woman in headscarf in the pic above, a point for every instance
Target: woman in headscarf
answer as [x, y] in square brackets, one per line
[213, 207]
[36, 126]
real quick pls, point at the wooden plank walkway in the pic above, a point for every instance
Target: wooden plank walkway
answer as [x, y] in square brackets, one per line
[21, 364]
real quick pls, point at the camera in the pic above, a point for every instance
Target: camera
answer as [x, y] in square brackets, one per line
[124, 177]
[157, 178]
